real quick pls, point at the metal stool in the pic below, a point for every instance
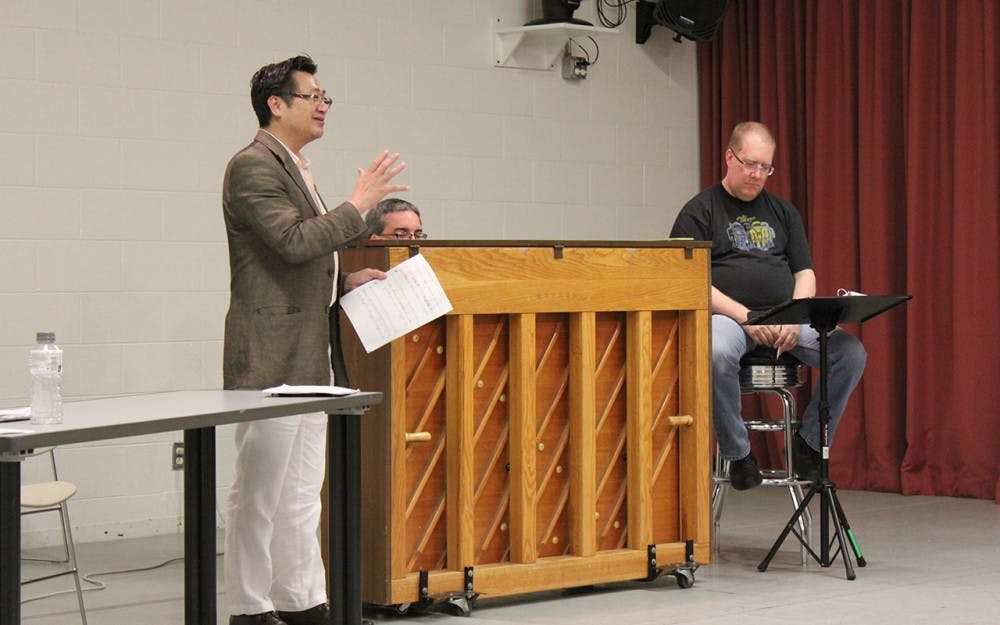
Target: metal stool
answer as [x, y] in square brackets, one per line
[761, 372]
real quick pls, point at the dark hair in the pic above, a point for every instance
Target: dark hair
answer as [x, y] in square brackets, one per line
[375, 218]
[276, 79]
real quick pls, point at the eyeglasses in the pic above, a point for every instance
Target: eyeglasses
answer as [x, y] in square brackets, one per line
[405, 235]
[750, 166]
[314, 98]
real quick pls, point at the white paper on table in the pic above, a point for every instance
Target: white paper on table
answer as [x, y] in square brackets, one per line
[15, 414]
[383, 310]
[306, 390]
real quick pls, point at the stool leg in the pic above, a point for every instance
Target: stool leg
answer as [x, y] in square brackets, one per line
[788, 410]
[720, 488]
[73, 564]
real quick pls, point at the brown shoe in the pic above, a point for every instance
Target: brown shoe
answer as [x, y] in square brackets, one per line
[264, 618]
[316, 615]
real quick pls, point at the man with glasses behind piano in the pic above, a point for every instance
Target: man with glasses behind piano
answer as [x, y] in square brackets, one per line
[760, 258]
[394, 218]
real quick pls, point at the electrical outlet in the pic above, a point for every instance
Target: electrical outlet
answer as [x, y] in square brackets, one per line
[574, 67]
[177, 457]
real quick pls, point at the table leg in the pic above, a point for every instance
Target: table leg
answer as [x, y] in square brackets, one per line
[199, 527]
[10, 543]
[344, 497]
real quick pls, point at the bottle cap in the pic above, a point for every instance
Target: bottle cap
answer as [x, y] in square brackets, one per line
[46, 337]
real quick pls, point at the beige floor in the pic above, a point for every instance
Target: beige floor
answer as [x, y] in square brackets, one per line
[931, 560]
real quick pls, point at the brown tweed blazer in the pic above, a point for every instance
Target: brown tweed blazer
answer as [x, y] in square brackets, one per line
[281, 264]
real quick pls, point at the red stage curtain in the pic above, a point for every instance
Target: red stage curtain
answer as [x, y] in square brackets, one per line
[886, 116]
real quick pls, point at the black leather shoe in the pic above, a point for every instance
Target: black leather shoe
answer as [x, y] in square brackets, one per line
[806, 460]
[744, 474]
[264, 618]
[316, 615]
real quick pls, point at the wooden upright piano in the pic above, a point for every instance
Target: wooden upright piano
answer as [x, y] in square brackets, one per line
[551, 431]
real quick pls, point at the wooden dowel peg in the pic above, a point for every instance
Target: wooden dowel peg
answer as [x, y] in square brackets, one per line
[418, 437]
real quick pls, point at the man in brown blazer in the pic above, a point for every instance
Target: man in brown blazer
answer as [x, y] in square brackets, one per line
[284, 279]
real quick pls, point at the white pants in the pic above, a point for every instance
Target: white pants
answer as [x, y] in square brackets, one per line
[272, 558]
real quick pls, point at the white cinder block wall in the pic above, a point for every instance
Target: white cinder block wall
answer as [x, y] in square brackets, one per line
[119, 117]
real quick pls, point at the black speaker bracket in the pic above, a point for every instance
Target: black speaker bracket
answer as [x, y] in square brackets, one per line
[644, 21]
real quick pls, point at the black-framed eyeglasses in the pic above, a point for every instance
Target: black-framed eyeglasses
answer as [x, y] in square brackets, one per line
[750, 166]
[314, 98]
[405, 235]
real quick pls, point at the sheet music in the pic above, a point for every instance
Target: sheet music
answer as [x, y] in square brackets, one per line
[383, 310]
[15, 414]
[306, 391]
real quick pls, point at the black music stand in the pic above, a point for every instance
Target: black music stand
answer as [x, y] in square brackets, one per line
[823, 314]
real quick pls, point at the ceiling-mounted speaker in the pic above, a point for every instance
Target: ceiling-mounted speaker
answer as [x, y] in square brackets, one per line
[697, 20]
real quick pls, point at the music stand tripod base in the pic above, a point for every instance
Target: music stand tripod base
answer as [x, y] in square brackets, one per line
[823, 314]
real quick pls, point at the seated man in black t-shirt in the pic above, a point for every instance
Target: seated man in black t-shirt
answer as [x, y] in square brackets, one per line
[760, 258]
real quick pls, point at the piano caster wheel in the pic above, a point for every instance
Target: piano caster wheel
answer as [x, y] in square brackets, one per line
[684, 577]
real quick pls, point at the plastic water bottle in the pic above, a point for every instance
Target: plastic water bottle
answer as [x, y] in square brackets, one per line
[45, 363]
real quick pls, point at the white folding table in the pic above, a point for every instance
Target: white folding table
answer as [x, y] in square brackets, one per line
[197, 413]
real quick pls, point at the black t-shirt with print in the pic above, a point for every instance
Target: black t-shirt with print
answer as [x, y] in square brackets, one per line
[757, 246]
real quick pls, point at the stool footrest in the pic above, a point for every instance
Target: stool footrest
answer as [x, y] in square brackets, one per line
[770, 479]
[770, 426]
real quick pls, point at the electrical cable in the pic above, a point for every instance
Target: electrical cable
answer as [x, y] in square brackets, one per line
[619, 9]
[98, 585]
[597, 48]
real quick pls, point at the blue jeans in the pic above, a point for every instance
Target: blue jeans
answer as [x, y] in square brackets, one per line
[846, 362]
